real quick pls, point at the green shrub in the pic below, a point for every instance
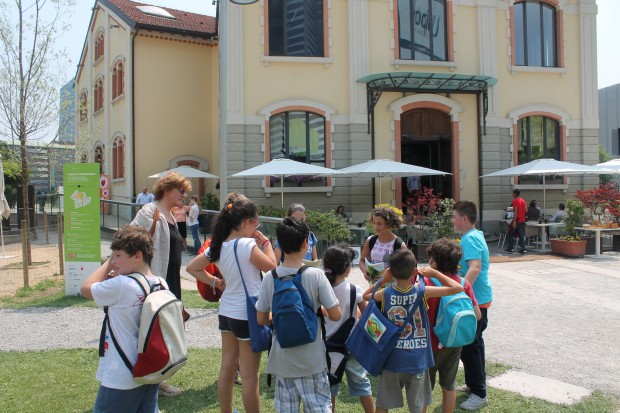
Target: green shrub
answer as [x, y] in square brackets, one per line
[211, 202]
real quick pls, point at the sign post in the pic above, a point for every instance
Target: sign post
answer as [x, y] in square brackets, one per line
[82, 230]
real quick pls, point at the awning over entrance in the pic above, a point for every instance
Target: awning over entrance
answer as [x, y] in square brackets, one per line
[421, 82]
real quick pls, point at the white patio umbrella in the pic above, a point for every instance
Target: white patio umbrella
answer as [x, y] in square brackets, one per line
[380, 168]
[186, 171]
[546, 167]
[284, 167]
[5, 210]
[613, 164]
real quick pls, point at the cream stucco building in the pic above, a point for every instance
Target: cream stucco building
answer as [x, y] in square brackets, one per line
[464, 86]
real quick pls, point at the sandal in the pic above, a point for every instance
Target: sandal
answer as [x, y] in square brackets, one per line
[237, 379]
[167, 390]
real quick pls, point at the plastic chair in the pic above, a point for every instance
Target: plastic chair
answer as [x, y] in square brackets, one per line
[556, 231]
[503, 230]
[531, 233]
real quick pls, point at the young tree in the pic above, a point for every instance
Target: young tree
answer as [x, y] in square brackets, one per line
[31, 72]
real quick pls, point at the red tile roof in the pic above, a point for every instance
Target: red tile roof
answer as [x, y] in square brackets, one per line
[185, 21]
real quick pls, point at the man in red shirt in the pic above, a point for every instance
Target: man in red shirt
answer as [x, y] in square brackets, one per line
[519, 207]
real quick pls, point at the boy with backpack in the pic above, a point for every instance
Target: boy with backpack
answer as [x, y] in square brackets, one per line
[475, 269]
[444, 256]
[408, 364]
[300, 370]
[132, 251]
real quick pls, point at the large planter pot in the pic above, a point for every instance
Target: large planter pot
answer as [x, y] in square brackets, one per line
[590, 245]
[568, 248]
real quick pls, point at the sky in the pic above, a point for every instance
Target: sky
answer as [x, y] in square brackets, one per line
[608, 33]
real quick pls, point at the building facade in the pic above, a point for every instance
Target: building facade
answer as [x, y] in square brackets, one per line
[609, 109]
[145, 90]
[66, 115]
[465, 86]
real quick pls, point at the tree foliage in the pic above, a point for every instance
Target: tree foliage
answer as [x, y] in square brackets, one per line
[31, 72]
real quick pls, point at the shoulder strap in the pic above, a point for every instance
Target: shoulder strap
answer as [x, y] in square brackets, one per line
[239, 267]
[372, 241]
[352, 294]
[155, 219]
[398, 243]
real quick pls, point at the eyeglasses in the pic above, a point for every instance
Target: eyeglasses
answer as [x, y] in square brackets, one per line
[256, 223]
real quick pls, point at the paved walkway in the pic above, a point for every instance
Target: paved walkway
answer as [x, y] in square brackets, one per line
[553, 318]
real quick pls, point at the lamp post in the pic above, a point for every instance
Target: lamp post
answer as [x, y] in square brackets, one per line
[223, 53]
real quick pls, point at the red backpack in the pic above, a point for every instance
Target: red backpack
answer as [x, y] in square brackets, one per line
[207, 292]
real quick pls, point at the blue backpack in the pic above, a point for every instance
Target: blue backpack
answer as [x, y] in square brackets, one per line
[294, 317]
[456, 321]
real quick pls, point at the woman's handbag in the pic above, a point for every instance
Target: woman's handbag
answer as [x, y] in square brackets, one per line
[260, 336]
[374, 337]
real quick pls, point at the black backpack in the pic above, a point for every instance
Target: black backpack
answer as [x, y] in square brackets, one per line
[335, 346]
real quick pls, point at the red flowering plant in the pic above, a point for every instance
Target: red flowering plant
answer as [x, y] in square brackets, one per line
[423, 203]
[599, 200]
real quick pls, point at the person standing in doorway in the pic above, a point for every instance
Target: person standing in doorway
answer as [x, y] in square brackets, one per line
[517, 225]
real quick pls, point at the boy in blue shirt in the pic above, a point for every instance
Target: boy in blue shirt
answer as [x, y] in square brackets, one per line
[407, 366]
[475, 269]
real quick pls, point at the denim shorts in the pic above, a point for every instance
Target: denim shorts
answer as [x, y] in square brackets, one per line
[357, 379]
[142, 399]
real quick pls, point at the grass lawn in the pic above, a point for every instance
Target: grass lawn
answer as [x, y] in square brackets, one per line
[51, 293]
[64, 381]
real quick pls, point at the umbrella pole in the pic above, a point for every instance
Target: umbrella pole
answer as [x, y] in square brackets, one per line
[544, 197]
[380, 198]
[282, 190]
[2, 236]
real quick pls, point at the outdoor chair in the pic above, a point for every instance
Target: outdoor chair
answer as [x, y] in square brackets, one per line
[503, 231]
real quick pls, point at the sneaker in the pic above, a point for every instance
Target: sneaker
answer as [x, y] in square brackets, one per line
[463, 389]
[509, 250]
[474, 402]
[522, 252]
[237, 379]
[167, 390]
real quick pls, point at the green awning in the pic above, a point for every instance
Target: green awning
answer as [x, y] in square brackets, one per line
[421, 82]
[429, 82]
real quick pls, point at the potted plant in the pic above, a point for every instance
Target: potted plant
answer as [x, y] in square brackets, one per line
[211, 202]
[571, 245]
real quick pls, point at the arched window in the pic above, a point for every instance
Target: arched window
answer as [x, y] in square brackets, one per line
[535, 34]
[99, 45]
[99, 157]
[422, 30]
[296, 28]
[300, 136]
[538, 137]
[98, 94]
[118, 80]
[83, 106]
[118, 157]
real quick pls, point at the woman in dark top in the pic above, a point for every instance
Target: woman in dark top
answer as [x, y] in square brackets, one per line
[156, 217]
[533, 213]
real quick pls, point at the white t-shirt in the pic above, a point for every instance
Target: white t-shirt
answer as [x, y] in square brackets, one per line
[343, 295]
[124, 298]
[232, 303]
[307, 359]
[379, 250]
[194, 211]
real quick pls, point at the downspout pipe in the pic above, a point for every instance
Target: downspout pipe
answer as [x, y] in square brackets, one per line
[479, 127]
[133, 111]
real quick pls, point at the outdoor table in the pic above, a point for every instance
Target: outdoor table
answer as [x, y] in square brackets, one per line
[542, 229]
[597, 237]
